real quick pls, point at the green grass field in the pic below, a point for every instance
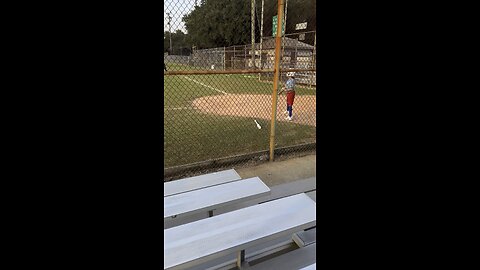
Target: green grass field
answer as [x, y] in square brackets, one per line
[192, 136]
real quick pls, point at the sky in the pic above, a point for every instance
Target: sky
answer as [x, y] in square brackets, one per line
[177, 9]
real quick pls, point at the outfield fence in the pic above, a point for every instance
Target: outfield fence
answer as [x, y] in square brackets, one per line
[222, 103]
[179, 59]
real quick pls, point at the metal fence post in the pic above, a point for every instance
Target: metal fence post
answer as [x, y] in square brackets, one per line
[276, 77]
[314, 56]
[245, 57]
[261, 40]
[284, 41]
[253, 34]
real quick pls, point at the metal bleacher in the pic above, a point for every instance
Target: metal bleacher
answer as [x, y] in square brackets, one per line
[275, 230]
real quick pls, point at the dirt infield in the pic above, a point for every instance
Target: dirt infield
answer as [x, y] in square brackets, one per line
[258, 106]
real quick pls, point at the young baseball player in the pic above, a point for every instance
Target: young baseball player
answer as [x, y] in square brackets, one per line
[290, 91]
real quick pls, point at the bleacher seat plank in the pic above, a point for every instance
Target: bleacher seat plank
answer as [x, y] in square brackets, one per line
[279, 191]
[310, 267]
[198, 182]
[206, 199]
[193, 243]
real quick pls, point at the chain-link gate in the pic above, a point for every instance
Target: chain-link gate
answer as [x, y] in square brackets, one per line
[219, 82]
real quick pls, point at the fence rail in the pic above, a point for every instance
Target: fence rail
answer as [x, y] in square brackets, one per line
[237, 71]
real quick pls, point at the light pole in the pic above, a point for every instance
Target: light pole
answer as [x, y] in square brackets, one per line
[170, 30]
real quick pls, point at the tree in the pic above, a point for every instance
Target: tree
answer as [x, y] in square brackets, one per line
[217, 23]
[180, 43]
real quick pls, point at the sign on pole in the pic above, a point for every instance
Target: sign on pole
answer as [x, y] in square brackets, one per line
[274, 28]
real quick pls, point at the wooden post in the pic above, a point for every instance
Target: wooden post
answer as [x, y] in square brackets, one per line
[276, 77]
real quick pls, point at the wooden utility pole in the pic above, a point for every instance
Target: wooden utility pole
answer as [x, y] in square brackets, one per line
[276, 77]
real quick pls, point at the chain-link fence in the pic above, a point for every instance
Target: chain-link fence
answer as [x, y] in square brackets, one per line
[219, 83]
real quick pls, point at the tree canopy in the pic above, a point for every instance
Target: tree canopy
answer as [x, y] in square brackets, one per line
[180, 43]
[217, 23]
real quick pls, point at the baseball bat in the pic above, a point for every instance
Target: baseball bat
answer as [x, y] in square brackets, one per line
[258, 125]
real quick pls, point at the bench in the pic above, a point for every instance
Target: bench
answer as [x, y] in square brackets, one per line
[276, 192]
[200, 241]
[210, 198]
[198, 182]
[295, 259]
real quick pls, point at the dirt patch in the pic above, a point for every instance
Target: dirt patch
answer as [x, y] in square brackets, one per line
[258, 107]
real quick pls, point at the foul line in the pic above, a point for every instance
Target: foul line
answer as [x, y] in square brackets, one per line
[178, 108]
[208, 86]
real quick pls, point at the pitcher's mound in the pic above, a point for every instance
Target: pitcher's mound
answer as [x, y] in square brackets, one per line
[258, 106]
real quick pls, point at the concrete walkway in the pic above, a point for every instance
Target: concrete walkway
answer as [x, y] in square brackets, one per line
[281, 172]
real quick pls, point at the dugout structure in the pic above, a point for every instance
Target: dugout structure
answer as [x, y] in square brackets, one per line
[295, 55]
